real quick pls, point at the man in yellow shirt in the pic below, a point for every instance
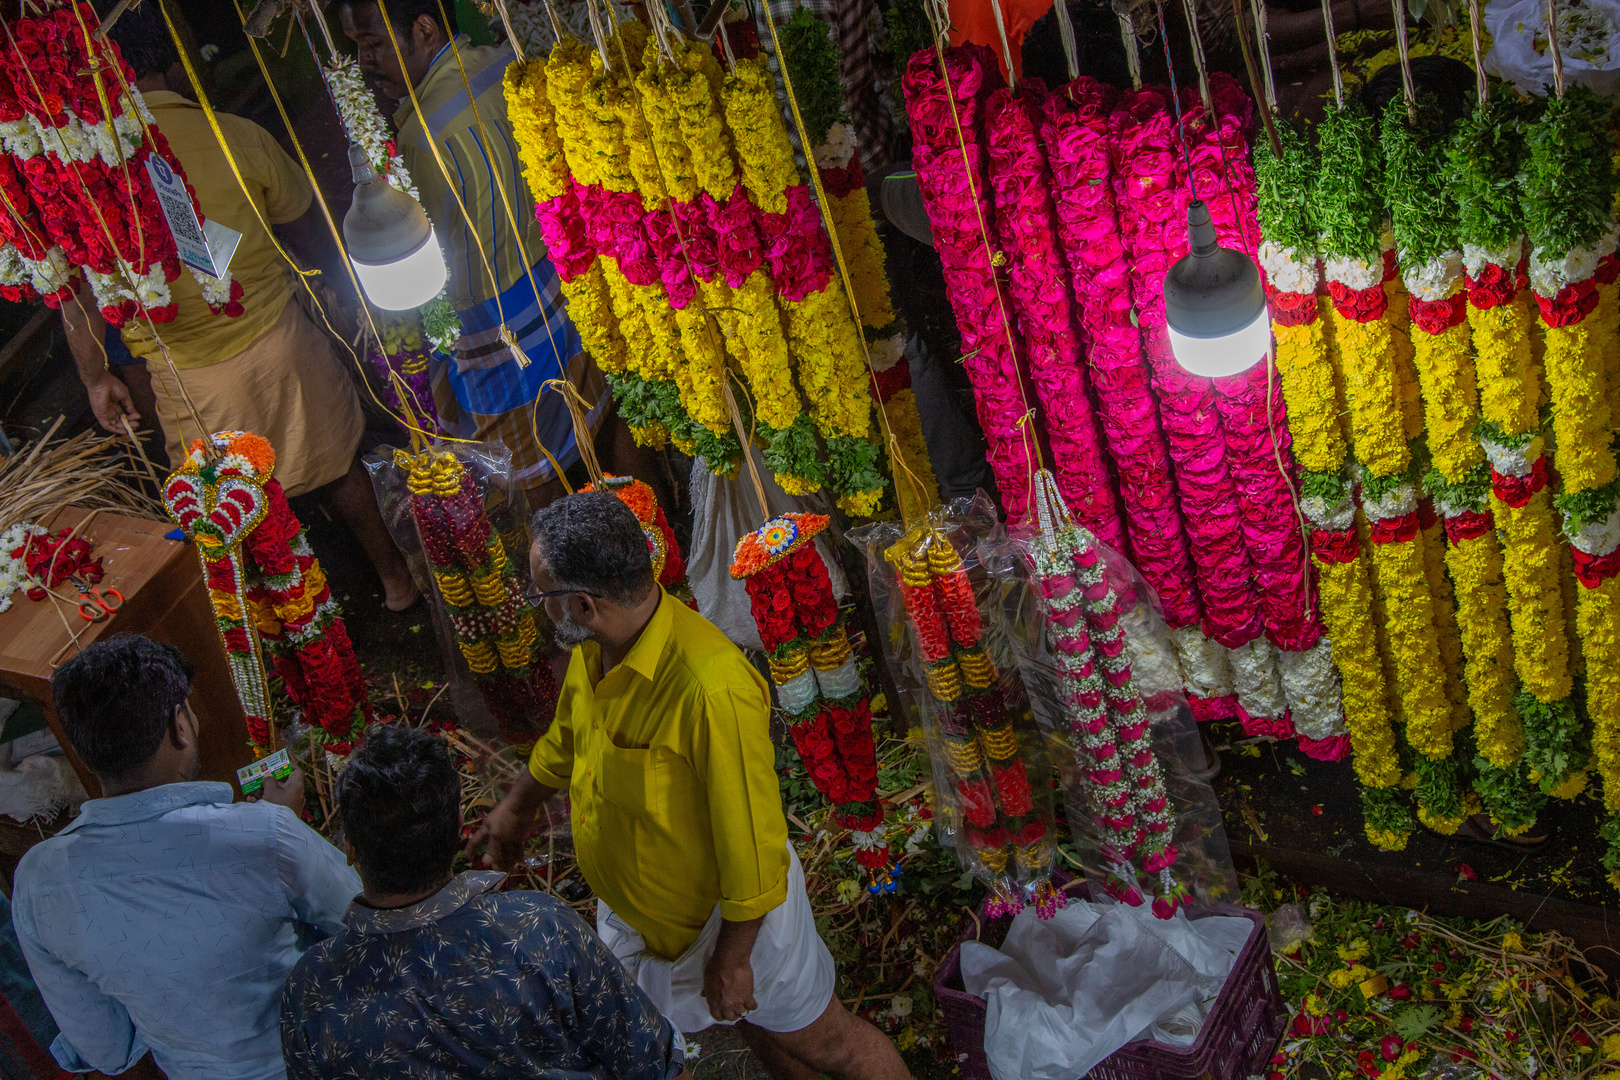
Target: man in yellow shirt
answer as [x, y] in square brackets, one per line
[261, 365]
[662, 740]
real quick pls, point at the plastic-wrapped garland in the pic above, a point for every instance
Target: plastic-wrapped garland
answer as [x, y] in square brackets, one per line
[993, 790]
[1111, 729]
[493, 625]
[817, 681]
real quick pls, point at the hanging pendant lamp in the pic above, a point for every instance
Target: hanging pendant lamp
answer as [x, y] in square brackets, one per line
[1214, 304]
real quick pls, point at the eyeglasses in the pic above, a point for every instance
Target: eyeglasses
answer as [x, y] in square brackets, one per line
[537, 597]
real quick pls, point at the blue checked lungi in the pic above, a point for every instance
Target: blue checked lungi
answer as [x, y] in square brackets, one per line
[483, 394]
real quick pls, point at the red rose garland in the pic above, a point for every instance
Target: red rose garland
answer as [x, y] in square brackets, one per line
[267, 589]
[1038, 285]
[76, 189]
[817, 682]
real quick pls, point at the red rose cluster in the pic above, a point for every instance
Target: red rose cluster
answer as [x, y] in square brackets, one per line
[77, 194]
[308, 643]
[54, 559]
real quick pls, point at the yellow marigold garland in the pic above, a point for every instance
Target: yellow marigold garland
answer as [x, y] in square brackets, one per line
[1363, 352]
[1347, 615]
[545, 167]
[1476, 567]
[1306, 373]
[1445, 620]
[863, 250]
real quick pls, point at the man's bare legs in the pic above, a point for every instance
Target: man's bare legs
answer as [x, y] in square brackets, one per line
[352, 498]
[839, 1044]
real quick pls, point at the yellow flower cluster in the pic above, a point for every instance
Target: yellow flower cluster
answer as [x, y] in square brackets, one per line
[768, 169]
[1446, 376]
[695, 90]
[1371, 390]
[674, 160]
[825, 342]
[1409, 616]
[831, 364]
[1406, 380]
[1476, 567]
[534, 123]
[1580, 419]
[1597, 617]
[530, 108]
[1306, 371]
[863, 251]
[770, 375]
[1508, 393]
[1346, 612]
[1445, 373]
[906, 425]
[1445, 620]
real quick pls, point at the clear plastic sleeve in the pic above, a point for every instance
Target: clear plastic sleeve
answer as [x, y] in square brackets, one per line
[957, 673]
[1090, 643]
[493, 628]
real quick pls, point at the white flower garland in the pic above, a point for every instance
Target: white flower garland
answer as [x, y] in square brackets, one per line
[1354, 273]
[1254, 676]
[1433, 279]
[1597, 538]
[13, 571]
[1397, 502]
[1512, 460]
[1476, 258]
[1286, 270]
[358, 109]
[839, 148]
[1310, 683]
[1204, 663]
[887, 352]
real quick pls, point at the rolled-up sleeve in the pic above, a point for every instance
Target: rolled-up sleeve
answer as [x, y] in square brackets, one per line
[551, 762]
[734, 757]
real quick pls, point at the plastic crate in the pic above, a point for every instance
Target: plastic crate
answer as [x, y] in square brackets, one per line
[1238, 1038]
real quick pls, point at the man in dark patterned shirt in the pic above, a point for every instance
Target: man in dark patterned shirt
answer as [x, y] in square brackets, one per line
[436, 975]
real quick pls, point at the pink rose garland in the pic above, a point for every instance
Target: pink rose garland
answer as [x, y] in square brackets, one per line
[1040, 295]
[1152, 201]
[951, 174]
[1074, 132]
[1225, 179]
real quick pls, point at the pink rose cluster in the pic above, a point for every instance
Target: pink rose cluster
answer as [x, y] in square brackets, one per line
[1075, 132]
[1026, 227]
[1150, 187]
[951, 169]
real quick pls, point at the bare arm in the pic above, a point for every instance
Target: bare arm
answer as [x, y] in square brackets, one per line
[504, 828]
[1292, 31]
[728, 981]
[109, 397]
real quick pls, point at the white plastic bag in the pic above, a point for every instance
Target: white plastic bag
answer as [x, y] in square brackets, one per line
[1588, 38]
[722, 511]
[1061, 995]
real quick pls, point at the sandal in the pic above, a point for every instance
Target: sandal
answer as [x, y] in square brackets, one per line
[1478, 828]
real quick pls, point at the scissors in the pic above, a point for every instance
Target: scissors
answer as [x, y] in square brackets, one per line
[97, 603]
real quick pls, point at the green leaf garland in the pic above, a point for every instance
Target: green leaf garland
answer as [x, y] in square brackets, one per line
[813, 61]
[1482, 171]
[1568, 183]
[1349, 198]
[1283, 189]
[1421, 212]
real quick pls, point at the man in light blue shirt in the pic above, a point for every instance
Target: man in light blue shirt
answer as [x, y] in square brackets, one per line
[165, 917]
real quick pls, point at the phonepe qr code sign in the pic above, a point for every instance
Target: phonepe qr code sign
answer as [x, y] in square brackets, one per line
[206, 247]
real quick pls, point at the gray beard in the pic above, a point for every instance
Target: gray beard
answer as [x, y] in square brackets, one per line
[568, 633]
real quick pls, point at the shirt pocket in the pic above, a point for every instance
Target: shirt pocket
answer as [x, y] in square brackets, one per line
[632, 780]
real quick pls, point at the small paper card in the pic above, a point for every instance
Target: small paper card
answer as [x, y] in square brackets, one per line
[251, 777]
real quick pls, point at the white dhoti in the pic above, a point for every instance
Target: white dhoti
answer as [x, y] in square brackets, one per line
[793, 971]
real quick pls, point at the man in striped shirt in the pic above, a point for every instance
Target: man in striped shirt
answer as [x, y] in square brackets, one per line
[461, 153]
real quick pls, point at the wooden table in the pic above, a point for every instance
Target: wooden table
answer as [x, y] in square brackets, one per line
[164, 598]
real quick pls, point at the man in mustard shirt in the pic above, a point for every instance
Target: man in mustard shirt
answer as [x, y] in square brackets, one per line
[662, 740]
[260, 365]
